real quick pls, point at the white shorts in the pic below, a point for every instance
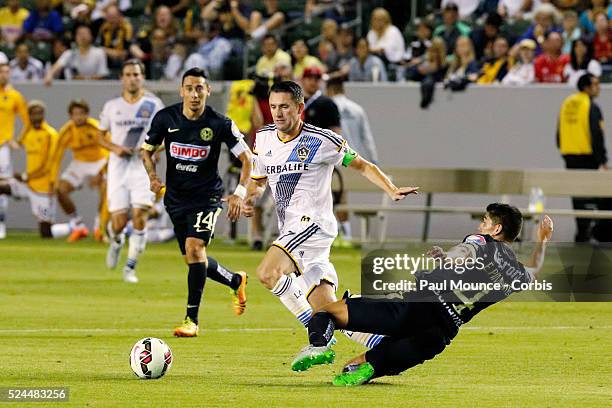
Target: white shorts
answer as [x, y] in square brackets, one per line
[42, 205]
[6, 168]
[78, 172]
[308, 247]
[130, 189]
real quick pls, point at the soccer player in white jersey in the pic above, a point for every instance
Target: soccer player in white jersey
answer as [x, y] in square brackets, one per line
[128, 119]
[297, 160]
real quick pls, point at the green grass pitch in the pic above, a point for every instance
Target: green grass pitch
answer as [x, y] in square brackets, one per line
[67, 321]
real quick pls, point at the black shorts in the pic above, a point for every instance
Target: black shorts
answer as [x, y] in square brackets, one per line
[415, 331]
[196, 222]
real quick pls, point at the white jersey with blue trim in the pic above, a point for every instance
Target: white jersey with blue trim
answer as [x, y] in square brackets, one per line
[128, 124]
[299, 173]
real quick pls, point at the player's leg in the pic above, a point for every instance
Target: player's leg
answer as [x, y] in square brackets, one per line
[275, 273]
[136, 243]
[72, 179]
[6, 171]
[103, 217]
[236, 281]
[118, 199]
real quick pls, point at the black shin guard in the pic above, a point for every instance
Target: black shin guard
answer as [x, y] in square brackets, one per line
[221, 274]
[321, 329]
[195, 281]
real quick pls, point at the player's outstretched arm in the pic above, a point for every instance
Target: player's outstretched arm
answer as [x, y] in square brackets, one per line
[543, 235]
[120, 151]
[149, 164]
[373, 173]
[236, 200]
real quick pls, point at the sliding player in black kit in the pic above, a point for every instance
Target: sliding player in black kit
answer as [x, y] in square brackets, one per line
[420, 326]
[192, 134]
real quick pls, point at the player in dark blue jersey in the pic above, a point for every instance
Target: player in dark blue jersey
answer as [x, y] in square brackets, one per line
[424, 323]
[192, 134]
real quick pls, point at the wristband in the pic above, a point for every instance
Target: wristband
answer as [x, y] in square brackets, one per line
[240, 191]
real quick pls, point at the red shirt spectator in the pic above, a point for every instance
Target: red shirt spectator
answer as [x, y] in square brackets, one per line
[549, 65]
[602, 39]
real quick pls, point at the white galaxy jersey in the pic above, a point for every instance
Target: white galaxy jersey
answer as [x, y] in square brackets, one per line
[128, 125]
[299, 173]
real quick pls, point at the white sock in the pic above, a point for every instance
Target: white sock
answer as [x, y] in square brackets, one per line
[347, 233]
[292, 293]
[75, 220]
[115, 239]
[136, 246]
[60, 230]
[259, 32]
[366, 339]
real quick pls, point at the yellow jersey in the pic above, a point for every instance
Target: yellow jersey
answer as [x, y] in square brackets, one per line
[575, 125]
[11, 103]
[241, 104]
[41, 146]
[82, 140]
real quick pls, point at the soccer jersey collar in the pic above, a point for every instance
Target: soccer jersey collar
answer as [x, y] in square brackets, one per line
[293, 138]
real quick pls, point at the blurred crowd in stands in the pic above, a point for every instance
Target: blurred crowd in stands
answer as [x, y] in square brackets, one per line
[513, 42]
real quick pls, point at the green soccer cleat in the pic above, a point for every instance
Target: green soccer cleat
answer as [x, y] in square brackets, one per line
[311, 355]
[354, 374]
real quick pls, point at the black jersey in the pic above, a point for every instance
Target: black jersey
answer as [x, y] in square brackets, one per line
[192, 153]
[495, 263]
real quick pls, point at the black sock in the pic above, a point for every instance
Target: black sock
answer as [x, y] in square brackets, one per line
[221, 274]
[195, 281]
[321, 329]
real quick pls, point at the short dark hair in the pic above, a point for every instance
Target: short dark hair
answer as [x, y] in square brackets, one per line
[290, 87]
[268, 37]
[585, 81]
[193, 72]
[494, 19]
[78, 103]
[337, 84]
[134, 62]
[509, 217]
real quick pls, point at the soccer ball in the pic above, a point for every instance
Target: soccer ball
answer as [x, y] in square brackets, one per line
[150, 358]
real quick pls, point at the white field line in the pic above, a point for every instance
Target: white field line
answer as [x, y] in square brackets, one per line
[282, 329]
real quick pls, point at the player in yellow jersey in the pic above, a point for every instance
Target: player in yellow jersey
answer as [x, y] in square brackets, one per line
[11, 105]
[37, 183]
[79, 134]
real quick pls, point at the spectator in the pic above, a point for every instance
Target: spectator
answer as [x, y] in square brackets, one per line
[115, 36]
[3, 58]
[484, 37]
[267, 19]
[452, 28]
[329, 30]
[544, 23]
[11, 22]
[194, 24]
[82, 14]
[177, 7]
[496, 68]
[344, 46]
[416, 49]
[234, 15]
[100, 5]
[581, 62]
[212, 55]
[602, 39]
[514, 9]
[580, 139]
[283, 71]
[163, 19]
[160, 54]
[25, 68]
[434, 66]
[549, 66]
[83, 62]
[571, 30]
[385, 40]
[302, 59]
[365, 67]
[354, 122]
[523, 72]
[465, 7]
[176, 61]
[587, 18]
[326, 53]
[463, 68]
[272, 56]
[43, 24]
